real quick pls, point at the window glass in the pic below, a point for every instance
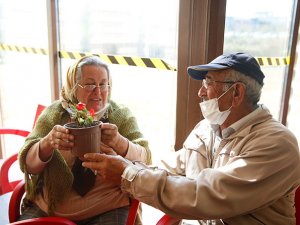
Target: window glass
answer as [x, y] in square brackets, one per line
[135, 28]
[24, 73]
[294, 106]
[262, 29]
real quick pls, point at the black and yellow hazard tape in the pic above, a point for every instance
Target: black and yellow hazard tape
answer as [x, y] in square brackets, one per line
[132, 61]
[273, 61]
[5, 47]
[122, 60]
[111, 59]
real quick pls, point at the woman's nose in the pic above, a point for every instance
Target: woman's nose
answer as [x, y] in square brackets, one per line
[97, 91]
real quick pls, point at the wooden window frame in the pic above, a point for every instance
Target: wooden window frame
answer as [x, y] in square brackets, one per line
[201, 39]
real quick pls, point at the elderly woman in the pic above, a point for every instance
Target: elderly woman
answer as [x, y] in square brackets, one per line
[49, 164]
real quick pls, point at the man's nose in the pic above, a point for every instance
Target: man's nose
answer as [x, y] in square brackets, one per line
[202, 92]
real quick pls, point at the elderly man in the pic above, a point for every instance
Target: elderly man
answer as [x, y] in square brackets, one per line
[238, 166]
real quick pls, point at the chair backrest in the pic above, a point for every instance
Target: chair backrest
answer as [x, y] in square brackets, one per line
[6, 185]
[134, 206]
[168, 220]
[15, 201]
[22, 133]
[38, 112]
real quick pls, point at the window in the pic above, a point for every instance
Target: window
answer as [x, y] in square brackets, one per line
[24, 75]
[262, 31]
[135, 28]
[294, 107]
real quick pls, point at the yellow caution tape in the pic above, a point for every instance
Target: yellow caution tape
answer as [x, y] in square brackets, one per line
[111, 59]
[5, 47]
[132, 61]
[122, 60]
[273, 61]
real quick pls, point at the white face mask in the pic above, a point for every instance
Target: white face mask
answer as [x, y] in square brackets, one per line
[211, 112]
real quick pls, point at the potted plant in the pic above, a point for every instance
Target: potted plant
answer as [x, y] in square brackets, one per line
[86, 131]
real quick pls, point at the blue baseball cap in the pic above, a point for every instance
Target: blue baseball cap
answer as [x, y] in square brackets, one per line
[241, 62]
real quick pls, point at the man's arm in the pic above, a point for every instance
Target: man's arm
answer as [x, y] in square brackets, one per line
[145, 184]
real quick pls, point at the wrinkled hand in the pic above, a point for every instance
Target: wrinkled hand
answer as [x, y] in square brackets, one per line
[111, 137]
[109, 167]
[107, 150]
[57, 138]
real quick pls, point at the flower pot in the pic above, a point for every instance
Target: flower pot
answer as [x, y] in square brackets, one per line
[86, 139]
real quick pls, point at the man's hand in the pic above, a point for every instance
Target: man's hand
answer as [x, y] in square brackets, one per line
[109, 167]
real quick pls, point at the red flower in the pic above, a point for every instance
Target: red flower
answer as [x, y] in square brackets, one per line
[92, 112]
[81, 115]
[80, 106]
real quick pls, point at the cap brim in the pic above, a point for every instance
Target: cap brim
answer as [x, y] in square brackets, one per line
[199, 72]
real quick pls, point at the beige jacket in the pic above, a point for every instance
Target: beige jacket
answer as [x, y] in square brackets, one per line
[249, 179]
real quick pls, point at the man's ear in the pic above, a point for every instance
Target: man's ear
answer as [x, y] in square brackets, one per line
[239, 93]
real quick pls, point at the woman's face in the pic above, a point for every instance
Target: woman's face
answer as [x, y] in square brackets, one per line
[93, 98]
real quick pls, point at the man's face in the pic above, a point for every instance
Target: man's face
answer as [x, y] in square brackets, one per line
[213, 86]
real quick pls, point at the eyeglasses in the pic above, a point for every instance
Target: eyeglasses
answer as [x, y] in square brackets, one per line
[207, 82]
[92, 87]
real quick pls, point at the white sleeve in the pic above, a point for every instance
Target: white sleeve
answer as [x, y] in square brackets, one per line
[136, 152]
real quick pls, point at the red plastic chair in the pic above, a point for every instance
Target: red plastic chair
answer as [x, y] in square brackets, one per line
[39, 110]
[22, 133]
[168, 220]
[134, 205]
[17, 195]
[14, 210]
[6, 185]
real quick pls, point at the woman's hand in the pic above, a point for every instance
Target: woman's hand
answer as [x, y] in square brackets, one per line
[57, 138]
[111, 137]
[107, 150]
